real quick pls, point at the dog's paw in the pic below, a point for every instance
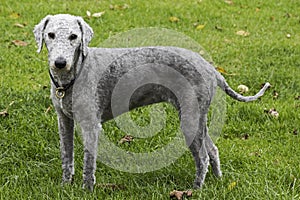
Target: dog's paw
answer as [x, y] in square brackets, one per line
[197, 186]
[67, 178]
[88, 186]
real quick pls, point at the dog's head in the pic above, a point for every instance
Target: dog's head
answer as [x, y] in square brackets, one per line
[65, 37]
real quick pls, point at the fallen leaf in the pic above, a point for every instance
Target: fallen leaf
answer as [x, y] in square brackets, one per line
[189, 193]
[288, 15]
[14, 15]
[173, 19]
[19, 43]
[272, 112]
[243, 33]
[275, 94]
[4, 113]
[118, 7]
[19, 25]
[200, 26]
[242, 89]
[256, 153]
[88, 13]
[10, 104]
[177, 194]
[245, 136]
[126, 138]
[48, 109]
[295, 132]
[229, 2]
[232, 185]
[202, 52]
[180, 194]
[219, 28]
[221, 70]
[99, 14]
[227, 41]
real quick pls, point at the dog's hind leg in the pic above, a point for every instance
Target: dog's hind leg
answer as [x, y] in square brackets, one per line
[200, 154]
[213, 154]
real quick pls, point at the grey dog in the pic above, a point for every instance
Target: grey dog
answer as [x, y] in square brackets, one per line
[84, 81]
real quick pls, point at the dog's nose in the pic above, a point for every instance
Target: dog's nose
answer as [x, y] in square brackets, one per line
[60, 62]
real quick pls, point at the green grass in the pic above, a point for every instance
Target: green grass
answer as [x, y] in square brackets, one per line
[264, 166]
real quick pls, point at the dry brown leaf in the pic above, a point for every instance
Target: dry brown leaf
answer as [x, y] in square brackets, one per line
[288, 15]
[4, 113]
[243, 33]
[272, 112]
[256, 154]
[189, 193]
[19, 25]
[99, 14]
[177, 194]
[200, 26]
[242, 89]
[119, 7]
[14, 15]
[48, 109]
[180, 194]
[126, 138]
[174, 19]
[221, 70]
[229, 2]
[88, 13]
[19, 43]
[275, 94]
[219, 28]
[295, 132]
[245, 136]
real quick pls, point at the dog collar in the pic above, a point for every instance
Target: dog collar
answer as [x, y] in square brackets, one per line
[61, 90]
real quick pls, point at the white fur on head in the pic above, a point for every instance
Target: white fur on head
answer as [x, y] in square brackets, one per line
[39, 32]
[87, 34]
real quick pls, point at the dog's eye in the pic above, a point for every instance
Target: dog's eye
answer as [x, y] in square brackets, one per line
[73, 37]
[51, 35]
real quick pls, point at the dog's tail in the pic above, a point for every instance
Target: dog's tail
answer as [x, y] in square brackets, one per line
[226, 88]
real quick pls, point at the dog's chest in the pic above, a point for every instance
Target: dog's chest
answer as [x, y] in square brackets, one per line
[63, 104]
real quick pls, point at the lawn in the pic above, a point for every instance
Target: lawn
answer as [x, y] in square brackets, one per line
[251, 42]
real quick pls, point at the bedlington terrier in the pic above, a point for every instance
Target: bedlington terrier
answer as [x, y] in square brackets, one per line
[84, 82]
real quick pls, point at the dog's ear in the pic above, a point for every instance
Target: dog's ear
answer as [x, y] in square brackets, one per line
[39, 32]
[87, 34]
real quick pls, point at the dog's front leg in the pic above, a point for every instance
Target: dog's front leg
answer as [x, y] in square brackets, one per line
[66, 133]
[90, 133]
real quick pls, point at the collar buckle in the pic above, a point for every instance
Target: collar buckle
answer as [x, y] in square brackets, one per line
[60, 92]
